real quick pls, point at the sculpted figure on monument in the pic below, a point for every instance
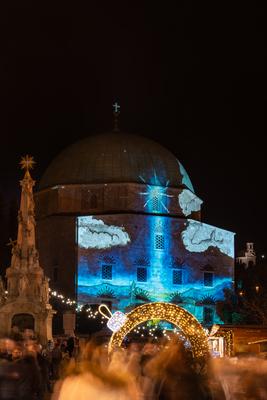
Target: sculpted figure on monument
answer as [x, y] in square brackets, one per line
[36, 257]
[12, 287]
[45, 290]
[30, 251]
[36, 289]
[16, 250]
[2, 289]
[23, 285]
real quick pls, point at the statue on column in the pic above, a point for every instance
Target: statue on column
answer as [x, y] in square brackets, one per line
[45, 290]
[2, 290]
[23, 285]
[36, 290]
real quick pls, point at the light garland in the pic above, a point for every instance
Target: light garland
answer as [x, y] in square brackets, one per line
[190, 327]
[166, 333]
[121, 324]
[66, 300]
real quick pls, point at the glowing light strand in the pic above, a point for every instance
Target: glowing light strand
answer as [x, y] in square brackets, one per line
[91, 313]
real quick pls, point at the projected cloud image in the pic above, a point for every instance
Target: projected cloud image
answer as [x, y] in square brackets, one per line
[95, 234]
[189, 202]
[198, 237]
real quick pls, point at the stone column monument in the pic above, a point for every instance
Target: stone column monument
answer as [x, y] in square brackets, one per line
[26, 303]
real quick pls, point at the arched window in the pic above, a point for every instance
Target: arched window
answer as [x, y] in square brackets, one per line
[84, 199]
[208, 279]
[93, 201]
[107, 272]
[141, 274]
[208, 315]
[177, 277]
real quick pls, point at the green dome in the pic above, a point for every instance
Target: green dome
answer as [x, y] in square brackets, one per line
[115, 158]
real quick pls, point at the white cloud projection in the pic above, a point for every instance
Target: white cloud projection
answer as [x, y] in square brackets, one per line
[198, 237]
[189, 202]
[95, 234]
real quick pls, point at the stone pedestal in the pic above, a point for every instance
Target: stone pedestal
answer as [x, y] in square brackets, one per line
[69, 321]
[42, 316]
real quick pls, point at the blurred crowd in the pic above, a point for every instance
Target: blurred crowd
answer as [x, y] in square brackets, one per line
[68, 369]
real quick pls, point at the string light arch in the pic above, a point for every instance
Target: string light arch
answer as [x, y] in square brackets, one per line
[172, 313]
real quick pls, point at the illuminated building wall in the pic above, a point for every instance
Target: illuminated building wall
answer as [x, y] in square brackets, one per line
[129, 259]
[129, 207]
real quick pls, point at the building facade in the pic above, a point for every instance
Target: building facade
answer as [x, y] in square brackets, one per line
[119, 222]
[248, 256]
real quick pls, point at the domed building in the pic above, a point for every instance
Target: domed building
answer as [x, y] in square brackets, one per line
[118, 221]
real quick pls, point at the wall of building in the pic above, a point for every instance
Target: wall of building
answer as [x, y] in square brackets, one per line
[128, 257]
[135, 230]
[113, 197]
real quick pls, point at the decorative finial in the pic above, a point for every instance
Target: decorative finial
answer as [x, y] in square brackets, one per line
[116, 114]
[27, 162]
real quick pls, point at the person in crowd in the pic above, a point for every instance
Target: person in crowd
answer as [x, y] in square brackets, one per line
[56, 357]
[76, 350]
[70, 345]
[174, 377]
[133, 358]
[92, 379]
[43, 364]
[6, 347]
[16, 334]
[64, 346]
[19, 377]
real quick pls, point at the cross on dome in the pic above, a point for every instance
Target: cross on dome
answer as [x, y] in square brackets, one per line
[116, 114]
[116, 107]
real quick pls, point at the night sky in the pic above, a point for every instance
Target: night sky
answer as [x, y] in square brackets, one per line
[191, 77]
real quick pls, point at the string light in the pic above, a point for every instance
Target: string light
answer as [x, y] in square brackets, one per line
[65, 300]
[192, 335]
[190, 327]
[79, 308]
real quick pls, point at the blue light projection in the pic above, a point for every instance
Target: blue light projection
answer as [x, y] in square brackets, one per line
[159, 246]
[189, 202]
[161, 240]
[186, 180]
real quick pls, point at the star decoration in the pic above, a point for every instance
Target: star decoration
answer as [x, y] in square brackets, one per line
[27, 162]
[155, 192]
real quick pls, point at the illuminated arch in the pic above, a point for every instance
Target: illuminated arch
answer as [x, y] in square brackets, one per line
[172, 313]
